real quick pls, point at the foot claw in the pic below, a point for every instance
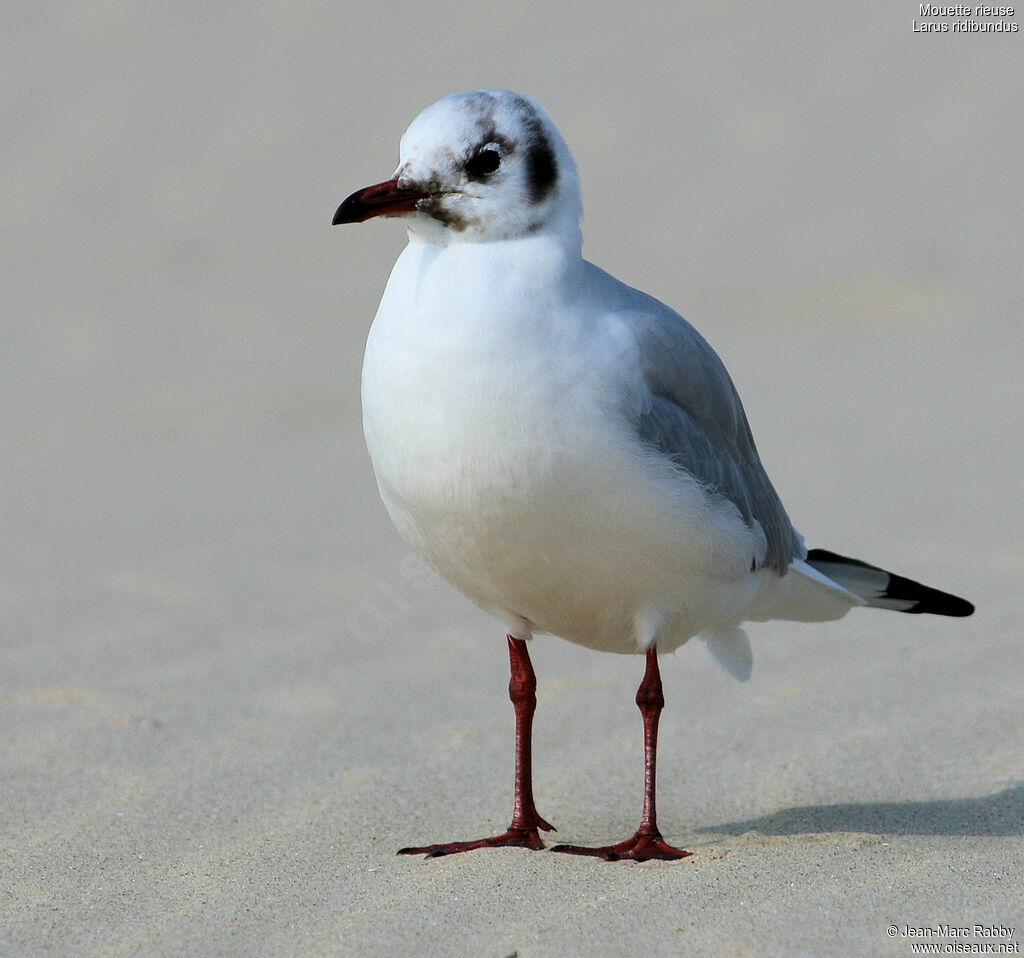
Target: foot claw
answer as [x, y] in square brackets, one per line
[639, 848]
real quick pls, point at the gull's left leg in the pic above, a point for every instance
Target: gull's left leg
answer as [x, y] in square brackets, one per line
[647, 843]
[522, 832]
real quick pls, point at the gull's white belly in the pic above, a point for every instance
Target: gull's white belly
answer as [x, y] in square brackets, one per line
[533, 500]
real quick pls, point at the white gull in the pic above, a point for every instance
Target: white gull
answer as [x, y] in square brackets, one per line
[567, 451]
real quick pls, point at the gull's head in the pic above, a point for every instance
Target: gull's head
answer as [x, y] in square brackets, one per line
[476, 167]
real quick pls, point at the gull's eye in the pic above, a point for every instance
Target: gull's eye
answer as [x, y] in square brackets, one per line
[483, 163]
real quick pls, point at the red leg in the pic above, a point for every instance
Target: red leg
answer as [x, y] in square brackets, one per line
[522, 690]
[647, 843]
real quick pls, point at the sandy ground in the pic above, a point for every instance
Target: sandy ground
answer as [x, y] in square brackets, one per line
[229, 694]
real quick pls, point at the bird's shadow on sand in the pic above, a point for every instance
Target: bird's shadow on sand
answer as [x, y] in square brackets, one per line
[999, 814]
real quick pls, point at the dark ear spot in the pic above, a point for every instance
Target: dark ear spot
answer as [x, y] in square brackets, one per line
[541, 165]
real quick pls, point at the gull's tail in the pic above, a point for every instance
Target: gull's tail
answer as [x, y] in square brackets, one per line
[826, 586]
[821, 587]
[885, 590]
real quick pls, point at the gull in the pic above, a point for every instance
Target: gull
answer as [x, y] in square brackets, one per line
[565, 450]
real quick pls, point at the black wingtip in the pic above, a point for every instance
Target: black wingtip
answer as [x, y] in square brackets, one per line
[940, 603]
[899, 588]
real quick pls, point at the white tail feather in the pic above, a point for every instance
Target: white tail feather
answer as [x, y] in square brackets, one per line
[731, 649]
[803, 594]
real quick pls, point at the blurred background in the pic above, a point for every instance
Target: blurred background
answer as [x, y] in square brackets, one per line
[174, 294]
[190, 537]
[173, 286]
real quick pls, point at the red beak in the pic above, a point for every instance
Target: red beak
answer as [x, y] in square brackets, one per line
[382, 199]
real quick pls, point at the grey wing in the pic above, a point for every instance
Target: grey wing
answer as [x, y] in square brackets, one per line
[692, 414]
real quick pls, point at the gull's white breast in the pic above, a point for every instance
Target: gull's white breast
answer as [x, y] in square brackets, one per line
[493, 392]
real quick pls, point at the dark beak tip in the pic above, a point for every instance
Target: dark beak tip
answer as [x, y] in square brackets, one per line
[342, 215]
[352, 210]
